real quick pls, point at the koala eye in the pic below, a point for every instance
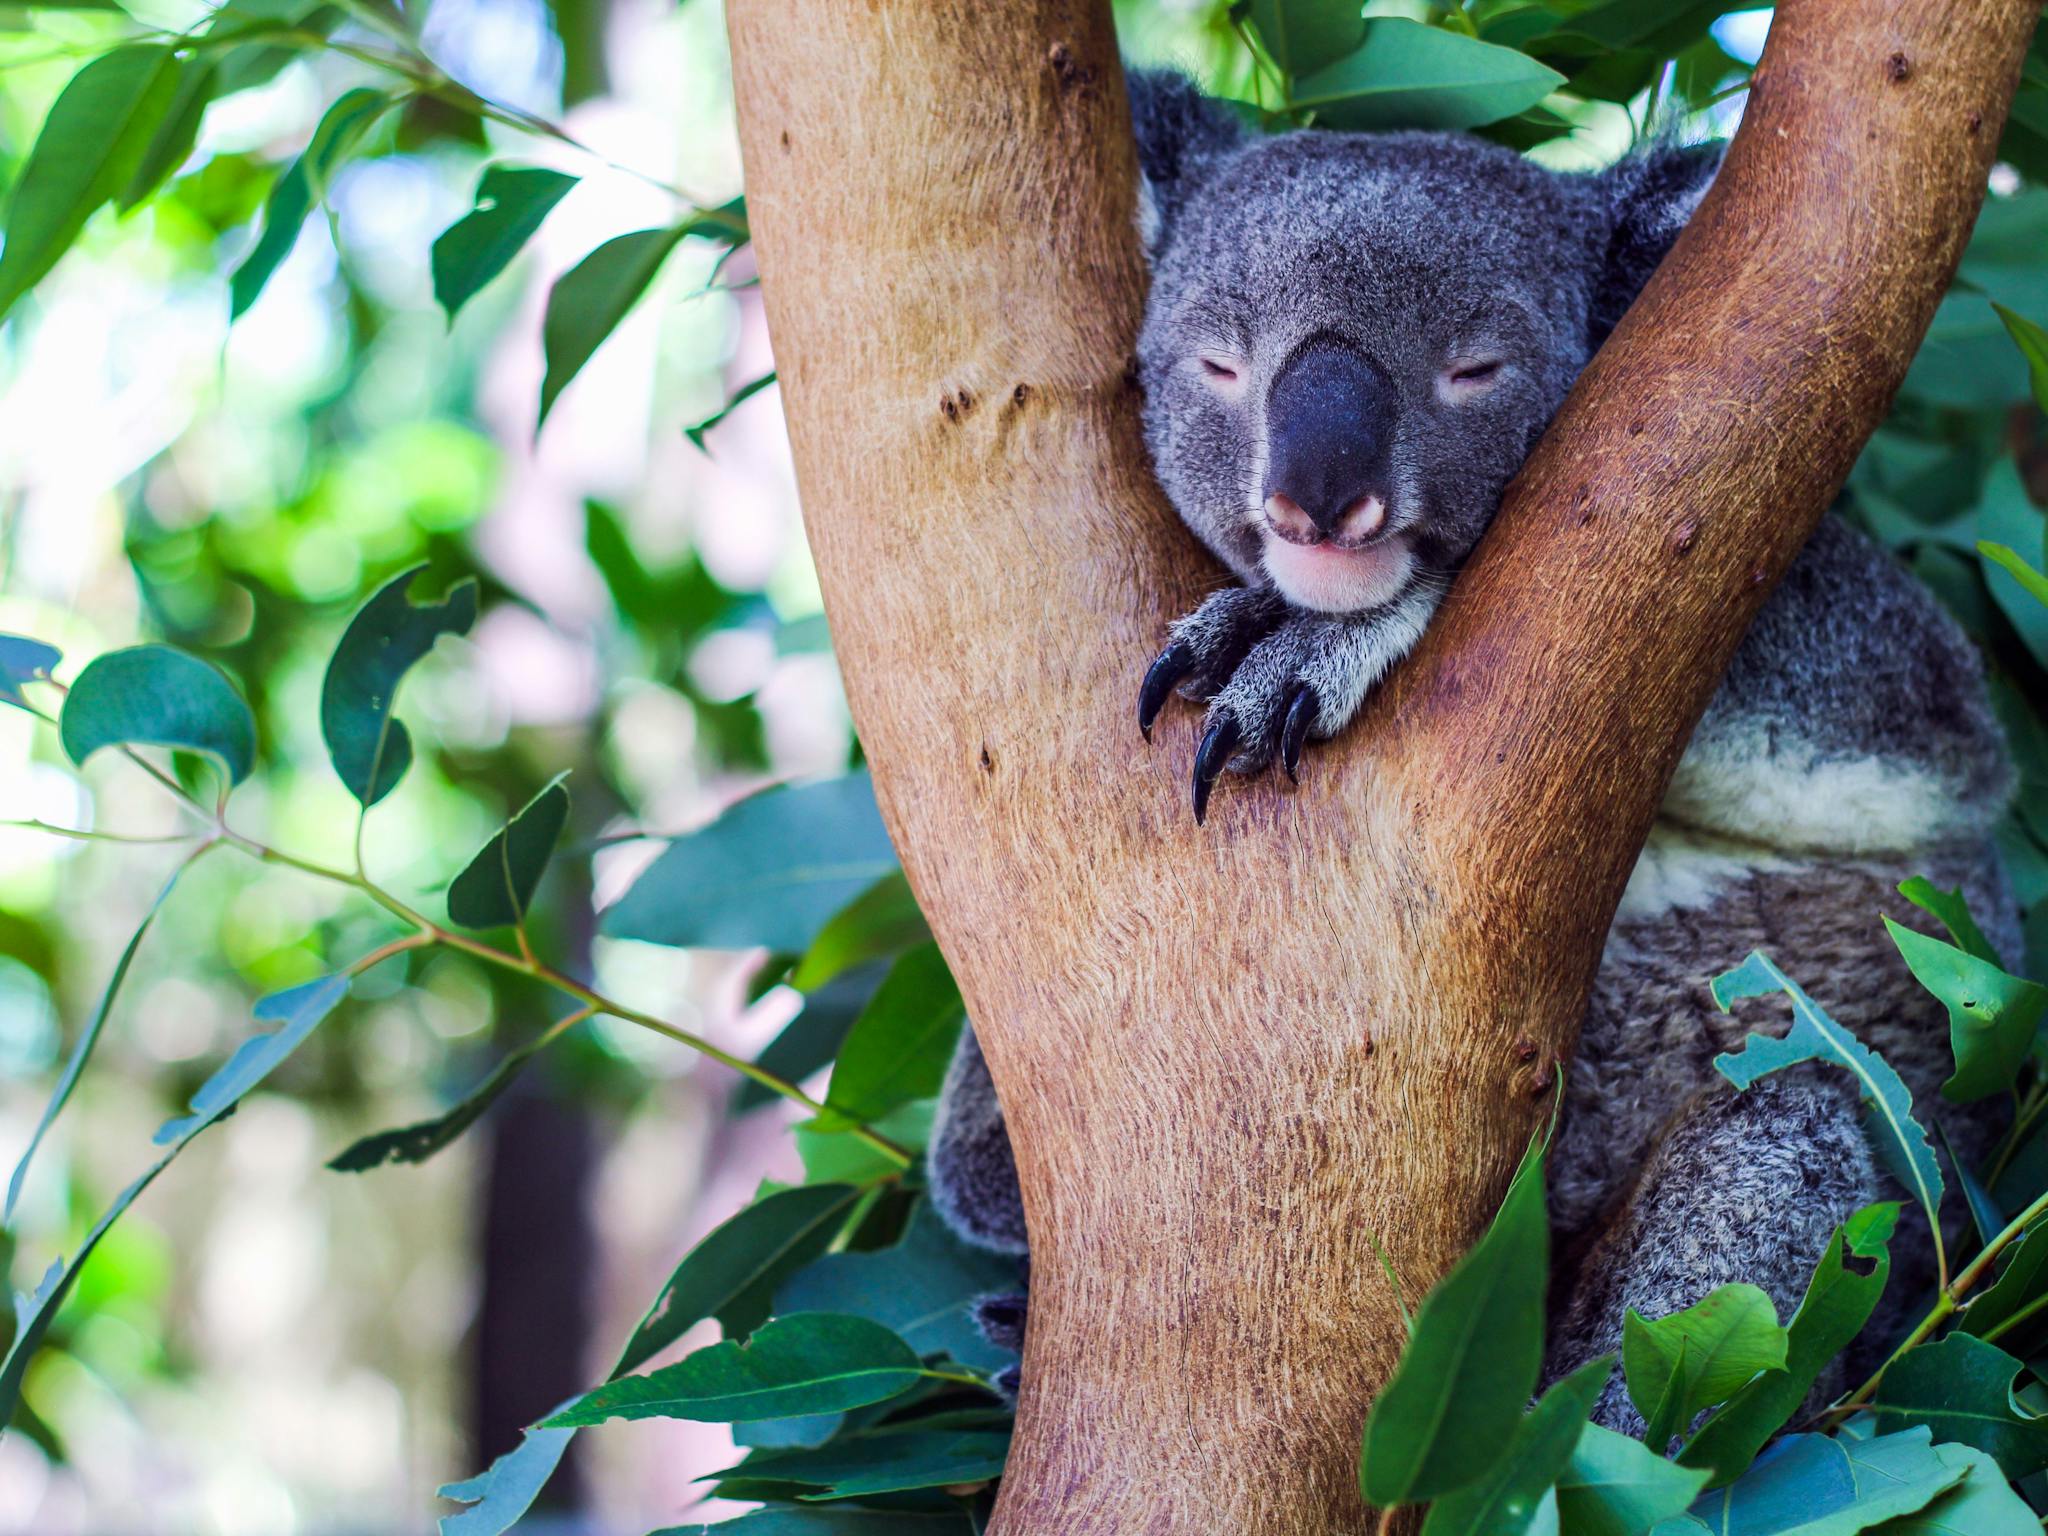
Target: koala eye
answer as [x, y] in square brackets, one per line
[1224, 373]
[1468, 377]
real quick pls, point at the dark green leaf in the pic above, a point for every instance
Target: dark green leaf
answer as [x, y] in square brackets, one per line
[370, 750]
[1962, 1389]
[1984, 1212]
[2007, 516]
[1953, 912]
[1838, 1302]
[2032, 341]
[170, 146]
[890, 1462]
[880, 922]
[921, 1289]
[1967, 361]
[733, 402]
[1470, 1363]
[300, 188]
[811, 1362]
[1615, 1486]
[297, 1011]
[899, 1047]
[591, 298]
[497, 886]
[832, 1522]
[732, 1274]
[74, 1067]
[503, 1492]
[151, 695]
[2023, 1278]
[1654, 26]
[1305, 35]
[1982, 1505]
[1992, 1016]
[1816, 1037]
[771, 871]
[511, 203]
[809, 1042]
[1707, 1352]
[89, 147]
[1811, 1485]
[1505, 1500]
[23, 660]
[1406, 75]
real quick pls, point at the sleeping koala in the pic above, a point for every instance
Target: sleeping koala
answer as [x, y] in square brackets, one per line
[1351, 344]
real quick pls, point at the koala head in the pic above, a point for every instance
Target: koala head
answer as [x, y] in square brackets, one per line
[1354, 339]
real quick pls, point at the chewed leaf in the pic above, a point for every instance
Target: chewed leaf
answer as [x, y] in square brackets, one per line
[23, 660]
[511, 203]
[503, 1492]
[298, 1012]
[1816, 1037]
[497, 887]
[151, 695]
[1954, 914]
[371, 750]
[1992, 1017]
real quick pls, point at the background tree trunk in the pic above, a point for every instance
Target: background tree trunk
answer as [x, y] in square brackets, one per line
[1230, 1054]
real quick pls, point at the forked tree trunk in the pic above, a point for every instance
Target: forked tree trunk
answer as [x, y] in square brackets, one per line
[1229, 1054]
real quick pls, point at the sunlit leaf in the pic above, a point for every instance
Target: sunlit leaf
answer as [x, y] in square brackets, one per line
[810, 1362]
[1962, 1389]
[297, 1011]
[1406, 75]
[1615, 1486]
[882, 1462]
[1953, 912]
[1504, 1501]
[496, 887]
[830, 1156]
[370, 750]
[588, 301]
[89, 147]
[23, 660]
[899, 1047]
[1992, 1016]
[1678, 1365]
[511, 203]
[176, 132]
[302, 185]
[151, 695]
[1816, 1037]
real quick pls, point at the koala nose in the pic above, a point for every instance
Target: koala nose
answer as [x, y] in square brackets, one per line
[1328, 420]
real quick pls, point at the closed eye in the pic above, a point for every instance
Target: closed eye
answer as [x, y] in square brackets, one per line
[1468, 378]
[1223, 372]
[1218, 369]
[1474, 373]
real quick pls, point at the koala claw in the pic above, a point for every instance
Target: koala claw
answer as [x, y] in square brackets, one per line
[1218, 743]
[1301, 716]
[1174, 663]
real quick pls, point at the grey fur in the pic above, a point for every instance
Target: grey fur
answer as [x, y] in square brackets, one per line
[1850, 745]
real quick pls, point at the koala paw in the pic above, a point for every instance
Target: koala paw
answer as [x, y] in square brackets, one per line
[1274, 689]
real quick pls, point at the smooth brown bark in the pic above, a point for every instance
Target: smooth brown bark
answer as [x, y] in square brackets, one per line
[1230, 1054]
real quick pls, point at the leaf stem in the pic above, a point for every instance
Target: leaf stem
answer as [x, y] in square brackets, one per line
[79, 834]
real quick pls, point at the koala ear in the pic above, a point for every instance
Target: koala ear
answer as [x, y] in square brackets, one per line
[1179, 131]
[1649, 197]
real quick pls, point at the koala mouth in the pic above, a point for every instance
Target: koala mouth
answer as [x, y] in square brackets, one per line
[1333, 578]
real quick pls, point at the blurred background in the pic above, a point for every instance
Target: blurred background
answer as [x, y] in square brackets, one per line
[263, 1347]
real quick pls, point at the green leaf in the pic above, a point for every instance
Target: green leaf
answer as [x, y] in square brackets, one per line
[732, 1274]
[151, 695]
[2007, 517]
[2032, 341]
[1305, 35]
[74, 1067]
[1816, 1037]
[1615, 1486]
[297, 1011]
[389, 633]
[1962, 1389]
[1992, 1016]
[1983, 1504]
[497, 886]
[1707, 1352]
[1953, 912]
[1811, 1485]
[511, 203]
[921, 1289]
[23, 660]
[1471, 1362]
[1406, 75]
[177, 131]
[2031, 581]
[1505, 1500]
[1984, 1213]
[810, 1362]
[771, 871]
[833, 1156]
[899, 1047]
[882, 921]
[90, 145]
[2023, 1278]
[303, 184]
[832, 1522]
[591, 298]
[733, 402]
[810, 1041]
[504, 1491]
[861, 1466]
[1838, 1302]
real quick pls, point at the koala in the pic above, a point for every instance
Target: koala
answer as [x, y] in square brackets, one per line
[1351, 344]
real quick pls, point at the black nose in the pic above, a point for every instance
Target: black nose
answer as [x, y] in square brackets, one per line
[1328, 422]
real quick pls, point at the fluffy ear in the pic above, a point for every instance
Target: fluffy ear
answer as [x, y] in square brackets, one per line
[1649, 196]
[1179, 130]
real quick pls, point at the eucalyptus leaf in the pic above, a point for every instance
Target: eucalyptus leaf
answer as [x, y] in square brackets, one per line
[2031, 581]
[496, 888]
[1953, 912]
[833, 1521]
[512, 201]
[1406, 75]
[771, 871]
[503, 1492]
[90, 145]
[1961, 1388]
[177, 131]
[588, 301]
[1816, 1037]
[151, 695]
[881, 922]
[370, 750]
[1506, 1499]
[23, 660]
[2032, 341]
[2022, 1278]
[1471, 1360]
[830, 1156]
[697, 433]
[809, 1042]
[893, 1462]
[1712, 1348]
[297, 1011]
[899, 1047]
[2007, 516]
[1814, 1485]
[1983, 1504]
[302, 185]
[809, 1362]
[1306, 35]
[1616, 1486]
[1992, 1017]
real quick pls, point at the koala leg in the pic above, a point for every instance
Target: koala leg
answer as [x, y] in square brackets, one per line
[1740, 1187]
[968, 1163]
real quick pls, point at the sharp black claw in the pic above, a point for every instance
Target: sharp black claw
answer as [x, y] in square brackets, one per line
[1301, 714]
[1214, 752]
[1174, 663]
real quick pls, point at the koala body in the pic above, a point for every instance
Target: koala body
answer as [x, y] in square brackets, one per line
[1352, 342]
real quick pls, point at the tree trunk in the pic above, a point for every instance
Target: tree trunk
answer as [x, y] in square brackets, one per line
[1230, 1055]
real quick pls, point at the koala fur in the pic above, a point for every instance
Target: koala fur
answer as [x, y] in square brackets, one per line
[1450, 291]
